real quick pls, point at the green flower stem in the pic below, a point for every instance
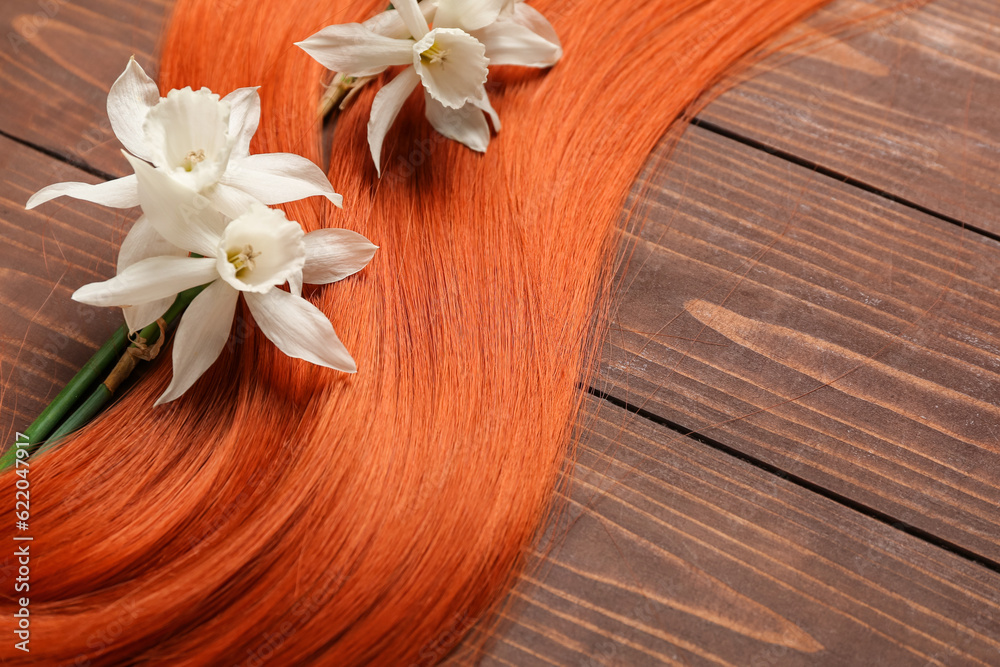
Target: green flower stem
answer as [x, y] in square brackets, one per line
[53, 424]
[56, 412]
[83, 414]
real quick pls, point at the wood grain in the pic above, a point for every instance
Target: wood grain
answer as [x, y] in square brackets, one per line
[670, 553]
[840, 338]
[904, 101]
[57, 63]
[826, 331]
[45, 337]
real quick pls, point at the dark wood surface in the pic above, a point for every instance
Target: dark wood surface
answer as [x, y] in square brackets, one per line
[903, 102]
[792, 454]
[670, 552]
[826, 331]
[57, 62]
[45, 336]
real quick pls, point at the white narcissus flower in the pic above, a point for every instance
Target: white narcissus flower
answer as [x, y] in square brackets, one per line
[450, 63]
[512, 32]
[253, 253]
[201, 141]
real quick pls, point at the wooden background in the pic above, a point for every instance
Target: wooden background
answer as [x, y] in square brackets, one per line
[791, 452]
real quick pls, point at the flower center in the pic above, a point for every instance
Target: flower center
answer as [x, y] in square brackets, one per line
[434, 54]
[243, 260]
[193, 158]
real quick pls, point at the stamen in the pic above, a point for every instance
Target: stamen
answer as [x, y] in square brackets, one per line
[434, 54]
[243, 259]
[193, 158]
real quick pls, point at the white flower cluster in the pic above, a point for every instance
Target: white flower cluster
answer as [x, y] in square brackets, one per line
[205, 199]
[450, 60]
[206, 221]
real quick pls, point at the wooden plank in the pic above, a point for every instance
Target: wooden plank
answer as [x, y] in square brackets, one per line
[45, 337]
[906, 103]
[57, 63]
[837, 336]
[671, 553]
[942, 480]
